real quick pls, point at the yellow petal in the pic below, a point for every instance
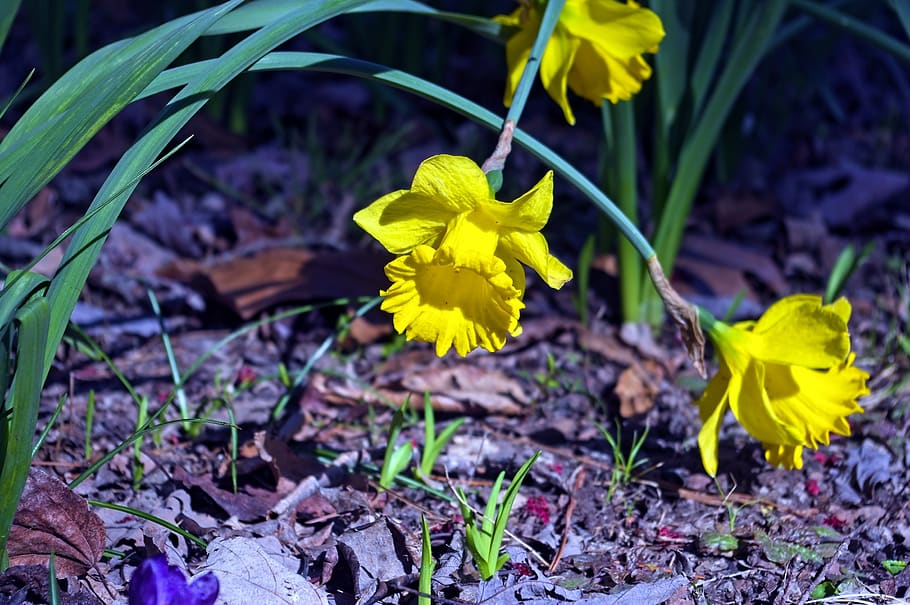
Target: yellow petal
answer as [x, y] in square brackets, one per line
[621, 30]
[468, 235]
[555, 66]
[402, 220]
[715, 394]
[530, 212]
[516, 273]
[797, 330]
[518, 49]
[817, 401]
[443, 187]
[465, 307]
[452, 181]
[752, 407]
[712, 406]
[532, 250]
[841, 308]
[788, 456]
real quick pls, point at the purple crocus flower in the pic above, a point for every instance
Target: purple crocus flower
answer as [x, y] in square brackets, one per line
[157, 583]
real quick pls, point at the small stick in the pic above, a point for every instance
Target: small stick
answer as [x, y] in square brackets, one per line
[580, 474]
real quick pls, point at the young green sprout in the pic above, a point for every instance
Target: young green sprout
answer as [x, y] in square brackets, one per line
[433, 444]
[397, 457]
[485, 539]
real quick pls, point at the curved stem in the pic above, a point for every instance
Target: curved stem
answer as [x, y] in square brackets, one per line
[277, 61]
[547, 25]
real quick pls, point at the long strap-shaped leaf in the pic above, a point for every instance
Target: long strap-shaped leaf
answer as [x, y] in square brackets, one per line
[757, 31]
[277, 61]
[86, 243]
[262, 12]
[8, 11]
[83, 100]
[24, 397]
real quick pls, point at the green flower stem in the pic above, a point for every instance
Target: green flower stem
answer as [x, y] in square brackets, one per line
[856, 27]
[706, 320]
[547, 25]
[621, 171]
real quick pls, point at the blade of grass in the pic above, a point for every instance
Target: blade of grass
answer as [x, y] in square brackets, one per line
[622, 182]
[150, 517]
[671, 65]
[902, 8]
[424, 583]
[182, 403]
[48, 426]
[705, 66]
[19, 90]
[53, 586]
[147, 429]
[8, 10]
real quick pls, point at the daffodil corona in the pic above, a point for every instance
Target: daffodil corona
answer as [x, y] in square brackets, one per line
[595, 50]
[788, 377]
[458, 279]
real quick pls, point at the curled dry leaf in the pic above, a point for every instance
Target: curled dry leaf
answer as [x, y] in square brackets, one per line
[637, 387]
[51, 518]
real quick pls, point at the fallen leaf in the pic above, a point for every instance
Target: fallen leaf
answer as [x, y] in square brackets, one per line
[607, 346]
[248, 574]
[734, 209]
[37, 216]
[365, 332]
[863, 188]
[744, 258]
[373, 554]
[469, 386]
[249, 504]
[51, 518]
[21, 583]
[637, 387]
[460, 389]
[251, 284]
[871, 464]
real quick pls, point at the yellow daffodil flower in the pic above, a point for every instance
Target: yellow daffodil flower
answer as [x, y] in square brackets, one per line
[595, 50]
[458, 281]
[788, 377]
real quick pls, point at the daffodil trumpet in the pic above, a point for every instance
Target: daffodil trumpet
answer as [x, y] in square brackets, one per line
[788, 378]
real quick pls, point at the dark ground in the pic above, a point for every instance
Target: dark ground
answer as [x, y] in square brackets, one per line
[240, 226]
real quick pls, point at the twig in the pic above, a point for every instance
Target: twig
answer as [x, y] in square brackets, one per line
[580, 474]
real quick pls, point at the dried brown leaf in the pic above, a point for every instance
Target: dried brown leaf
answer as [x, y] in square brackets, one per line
[637, 387]
[459, 389]
[51, 518]
[247, 505]
[251, 284]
